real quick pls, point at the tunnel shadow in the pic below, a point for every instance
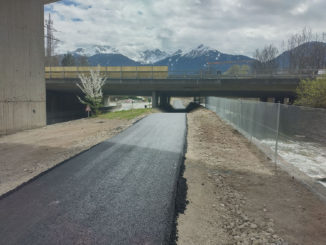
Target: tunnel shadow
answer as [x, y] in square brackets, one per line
[190, 107]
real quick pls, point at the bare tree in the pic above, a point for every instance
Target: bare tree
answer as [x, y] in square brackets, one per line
[51, 44]
[68, 60]
[265, 60]
[306, 51]
[91, 86]
[82, 60]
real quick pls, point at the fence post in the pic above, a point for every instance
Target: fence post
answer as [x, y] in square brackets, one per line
[277, 132]
[240, 123]
[251, 121]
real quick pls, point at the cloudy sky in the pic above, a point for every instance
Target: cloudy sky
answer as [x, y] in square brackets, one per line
[230, 26]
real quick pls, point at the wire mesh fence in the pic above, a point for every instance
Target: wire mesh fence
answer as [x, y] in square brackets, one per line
[289, 133]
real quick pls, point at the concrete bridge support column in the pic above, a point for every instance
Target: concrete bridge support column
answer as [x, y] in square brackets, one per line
[154, 99]
[164, 100]
[263, 99]
[106, 100]
[197, 100]
[22, 82]
[168, 100]
[279, 100]
[291, 100]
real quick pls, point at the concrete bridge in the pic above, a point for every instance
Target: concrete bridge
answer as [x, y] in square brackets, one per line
[159, 83]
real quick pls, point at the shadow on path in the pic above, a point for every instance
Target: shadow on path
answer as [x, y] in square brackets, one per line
[190, 107]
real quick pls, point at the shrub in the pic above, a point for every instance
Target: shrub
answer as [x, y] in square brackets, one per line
[312, 93]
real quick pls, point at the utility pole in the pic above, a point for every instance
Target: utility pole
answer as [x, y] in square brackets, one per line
[51, 41]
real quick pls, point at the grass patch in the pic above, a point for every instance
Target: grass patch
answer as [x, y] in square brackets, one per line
[129, 114]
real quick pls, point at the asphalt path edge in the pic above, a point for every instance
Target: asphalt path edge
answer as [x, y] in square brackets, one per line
[4, 195]
[180, 196]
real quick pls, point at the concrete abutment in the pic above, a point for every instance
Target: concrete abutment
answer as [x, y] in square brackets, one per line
[154, 99]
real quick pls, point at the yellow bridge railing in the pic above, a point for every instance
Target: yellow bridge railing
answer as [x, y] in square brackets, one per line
[110, 72]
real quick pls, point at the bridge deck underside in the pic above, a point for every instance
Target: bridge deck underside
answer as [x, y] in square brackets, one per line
[189, 87]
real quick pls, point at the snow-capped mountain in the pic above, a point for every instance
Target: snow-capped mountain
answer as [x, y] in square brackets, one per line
[198, 58]
[201, 50]
[151, 56]
[104, 56]
[95, 49]
[192, 60]
[111, 60]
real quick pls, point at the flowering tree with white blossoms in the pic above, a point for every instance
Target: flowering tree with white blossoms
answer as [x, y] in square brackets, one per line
[91, 86]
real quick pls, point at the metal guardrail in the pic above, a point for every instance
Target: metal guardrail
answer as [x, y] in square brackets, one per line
[152, 73]
[110, 72]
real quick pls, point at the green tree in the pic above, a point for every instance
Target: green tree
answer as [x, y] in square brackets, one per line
[312, 93]
[68, 60]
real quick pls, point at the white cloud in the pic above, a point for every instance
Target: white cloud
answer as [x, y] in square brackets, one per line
[300, 9]
[230, 26]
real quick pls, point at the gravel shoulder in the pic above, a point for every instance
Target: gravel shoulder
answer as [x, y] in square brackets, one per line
[236, 197]
[26, 154]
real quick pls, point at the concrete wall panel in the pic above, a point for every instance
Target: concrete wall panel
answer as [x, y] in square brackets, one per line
[13, 116]
[22, 83]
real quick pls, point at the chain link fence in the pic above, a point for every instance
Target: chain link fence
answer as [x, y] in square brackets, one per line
[285, 133]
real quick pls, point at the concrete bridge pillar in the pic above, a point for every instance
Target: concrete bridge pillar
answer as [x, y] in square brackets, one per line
[168, 100]
[291, 100]
[164, 100]
[263, 99]
[154, 99]
[106, 100]
[22, 82]
[279, 100]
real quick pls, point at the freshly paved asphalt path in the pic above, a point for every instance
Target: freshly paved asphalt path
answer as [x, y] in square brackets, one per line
[121, 191]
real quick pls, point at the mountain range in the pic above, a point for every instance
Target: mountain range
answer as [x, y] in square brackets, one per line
[194, 60]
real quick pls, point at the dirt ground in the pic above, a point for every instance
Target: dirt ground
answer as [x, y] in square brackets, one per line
[236, 197]
[26, 154]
